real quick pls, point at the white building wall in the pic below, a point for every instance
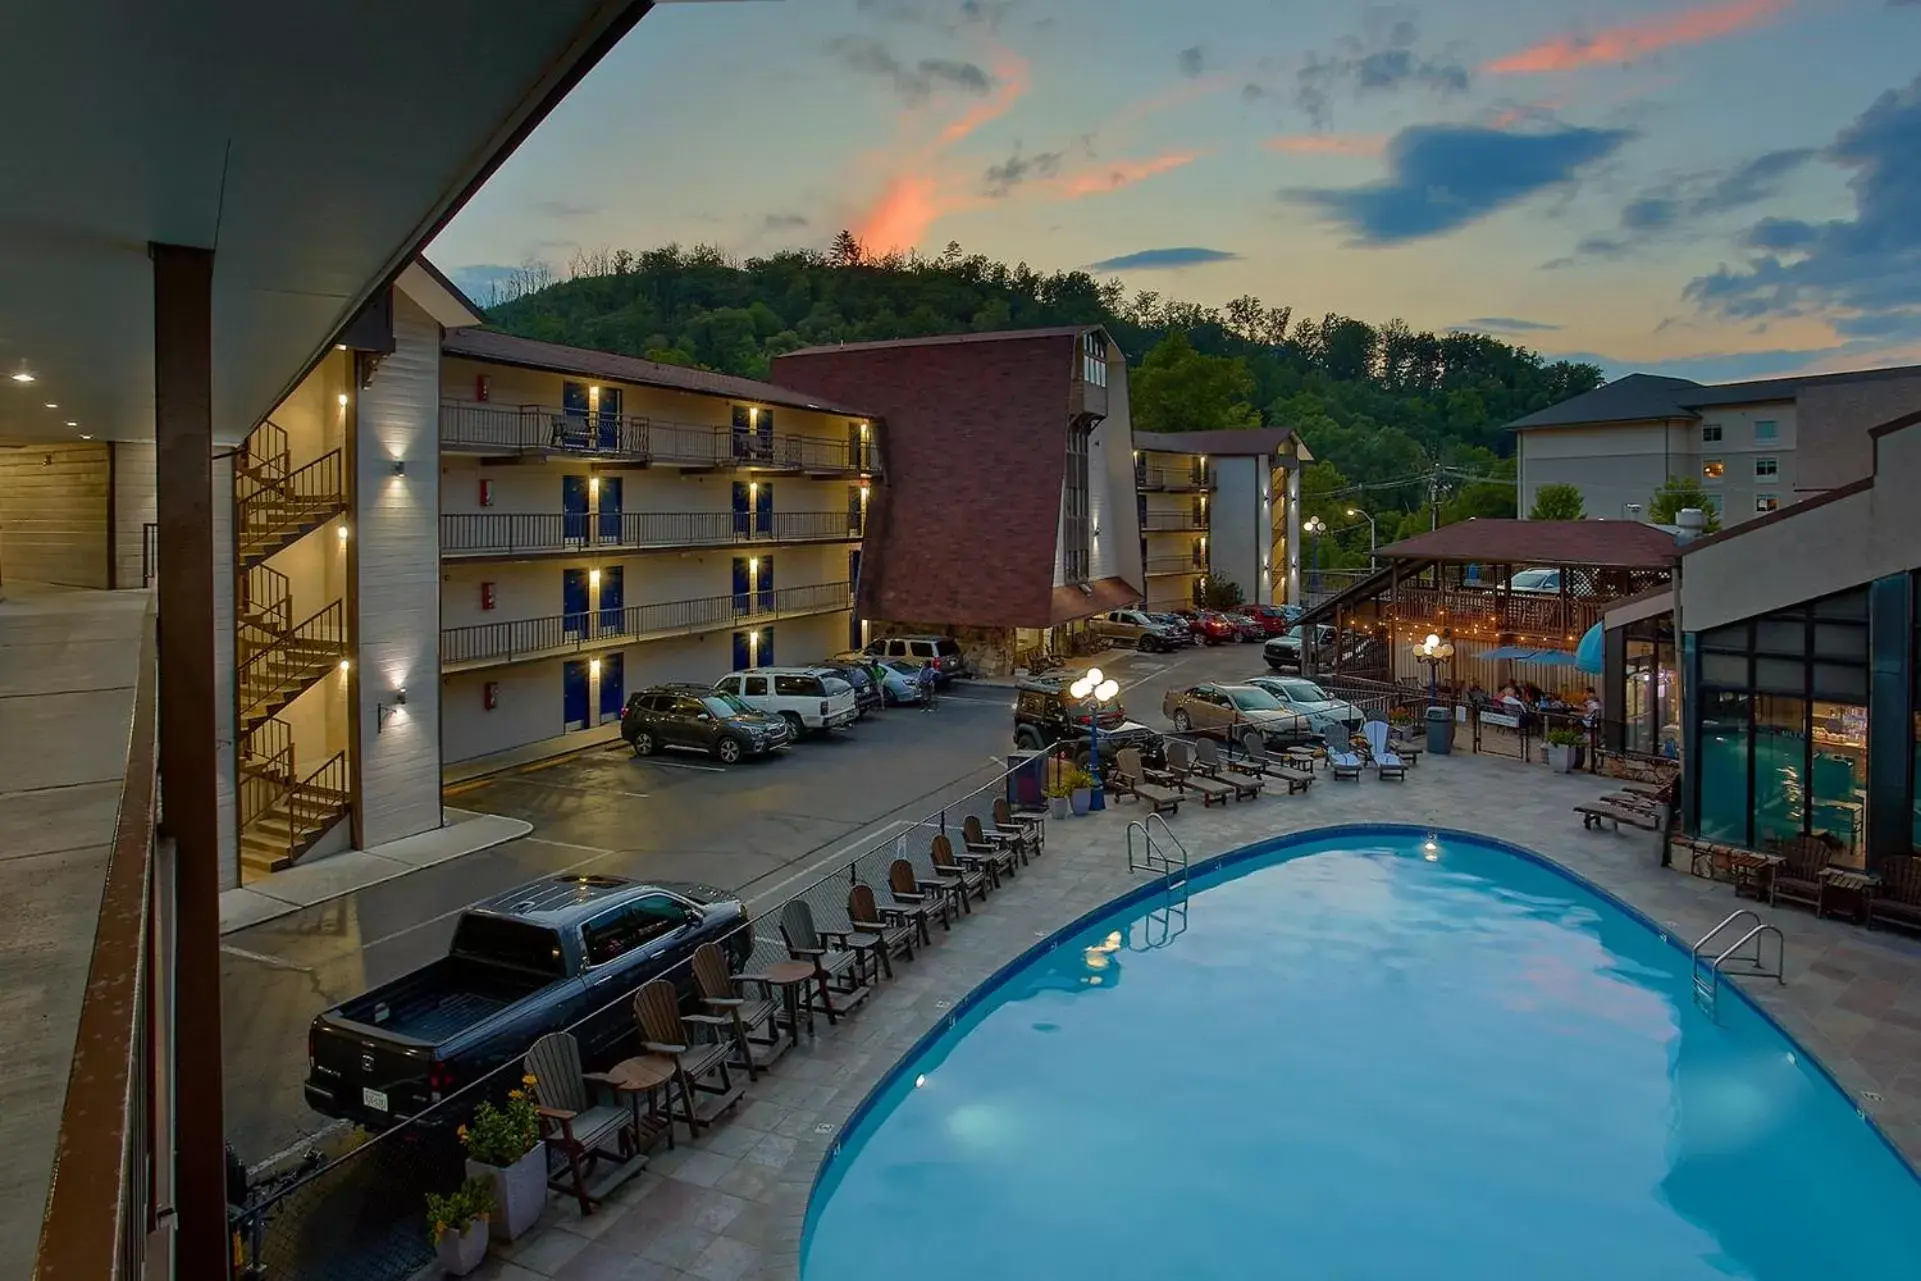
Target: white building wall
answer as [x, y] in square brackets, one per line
[396, 541]
[1740, 489]
[133, 507]
[1117, 545]
[1235, 545]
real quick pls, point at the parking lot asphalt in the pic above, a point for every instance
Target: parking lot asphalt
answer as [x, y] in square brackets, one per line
[761, 828]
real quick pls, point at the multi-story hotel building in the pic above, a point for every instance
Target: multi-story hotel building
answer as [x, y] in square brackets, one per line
[1219, 505]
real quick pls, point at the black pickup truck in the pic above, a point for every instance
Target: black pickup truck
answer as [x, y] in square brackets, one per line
[524, 963]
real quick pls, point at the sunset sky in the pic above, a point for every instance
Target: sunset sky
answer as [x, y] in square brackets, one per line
[1729, 188]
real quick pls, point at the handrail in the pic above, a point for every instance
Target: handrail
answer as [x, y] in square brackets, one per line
[508, 533]
[323, 630]
[1707, 984]
[1152, 856]
[108, 1161]
[536, 427]
[1744, 913]
[1758, 933]
[557, 633]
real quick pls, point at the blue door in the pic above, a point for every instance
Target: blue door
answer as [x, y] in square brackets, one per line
[764, 511]
[573, 507]
[573, 693]
[743, 586]
[613, 692]
[574, 433]
[743, 652]
[766, 586]
[611, 599]
[609, 509]
[743, 513]
[573, 601]
[743, 424]
[607, 419]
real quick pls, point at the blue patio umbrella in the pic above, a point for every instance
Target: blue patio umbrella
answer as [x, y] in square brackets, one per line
[1590, 654]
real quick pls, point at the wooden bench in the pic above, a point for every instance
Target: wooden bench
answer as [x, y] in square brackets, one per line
[1594, 812]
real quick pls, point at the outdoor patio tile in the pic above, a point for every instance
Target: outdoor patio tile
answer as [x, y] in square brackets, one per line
[760, 1112]
[725, 1260]
[732, 1139]
[703, 1168]
[676, 1246]
[747, 1179]
[497, 1268]
[772, 1151]
[547, 1252]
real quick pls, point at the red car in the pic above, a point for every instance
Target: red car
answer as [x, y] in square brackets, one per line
[1272, 618]
[1210, 627]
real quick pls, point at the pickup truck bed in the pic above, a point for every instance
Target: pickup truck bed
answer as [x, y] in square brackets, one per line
[432, 1005]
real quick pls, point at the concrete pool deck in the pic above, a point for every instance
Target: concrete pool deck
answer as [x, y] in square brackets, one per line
[731, 1204]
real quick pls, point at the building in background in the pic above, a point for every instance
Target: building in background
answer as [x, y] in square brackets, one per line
[1008, 514]
[1754, 446]
[1219, 506]
[1799, 672]
[608, 523]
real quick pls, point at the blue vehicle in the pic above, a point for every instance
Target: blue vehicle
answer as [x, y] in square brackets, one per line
[901, 682]
[533, 960]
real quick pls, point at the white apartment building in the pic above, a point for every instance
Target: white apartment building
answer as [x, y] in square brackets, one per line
[1755, 446]
[1219, 505]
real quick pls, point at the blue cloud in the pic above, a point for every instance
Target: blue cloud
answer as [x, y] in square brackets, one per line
[1163, 259]
[1506, 325]
[1651, 213]
[1718, 367]
[1442, 177]
[1866, 270]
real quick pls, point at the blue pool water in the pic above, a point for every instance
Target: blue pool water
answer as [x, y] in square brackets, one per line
[1358, 1064]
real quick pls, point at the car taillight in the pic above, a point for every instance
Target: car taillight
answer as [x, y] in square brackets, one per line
[440, 1079]
[823, 707]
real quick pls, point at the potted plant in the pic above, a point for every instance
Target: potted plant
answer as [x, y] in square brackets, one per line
[1080, 793]
[1563, 750]
[458, 1222]
[1058, 792]
[504, 1151]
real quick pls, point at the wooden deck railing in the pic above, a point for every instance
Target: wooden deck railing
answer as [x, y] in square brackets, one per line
[100, 1207]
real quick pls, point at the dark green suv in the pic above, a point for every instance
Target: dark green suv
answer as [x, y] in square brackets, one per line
[1046, 715]
[702, 719]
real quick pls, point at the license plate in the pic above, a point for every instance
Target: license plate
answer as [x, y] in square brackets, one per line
[375, 1099]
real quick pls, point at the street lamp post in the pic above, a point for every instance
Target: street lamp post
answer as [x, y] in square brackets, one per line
[1373, 534]
[1434, 651]
[1314, 527]
[1101, 690]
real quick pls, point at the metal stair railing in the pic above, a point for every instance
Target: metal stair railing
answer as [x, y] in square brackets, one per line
[1707, 979]
[1170, 864]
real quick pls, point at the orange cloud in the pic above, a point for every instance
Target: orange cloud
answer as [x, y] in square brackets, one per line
[1515, 115]
[910, 204]
[1121, 173]
[1329, 144]
[1011, 70]
[1633, 41]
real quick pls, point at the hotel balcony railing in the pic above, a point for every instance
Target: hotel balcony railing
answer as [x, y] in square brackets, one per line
[1494, 610]
[487, 643]
[1175, 565]
[1172, 522]
[642, 441]
[1172, 479]
[510, 534]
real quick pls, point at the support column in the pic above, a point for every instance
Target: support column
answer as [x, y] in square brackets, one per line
[183, 444]
[1890, 759]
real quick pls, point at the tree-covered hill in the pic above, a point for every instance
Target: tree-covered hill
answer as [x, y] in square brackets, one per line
[1398, 417]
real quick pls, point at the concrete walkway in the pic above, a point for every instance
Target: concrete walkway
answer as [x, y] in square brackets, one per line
[337, 875]
[546, 749]
[69, 661]
[732, 1203]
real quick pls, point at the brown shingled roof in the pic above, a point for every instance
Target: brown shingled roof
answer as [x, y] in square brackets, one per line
[508, 349]
[1255, 441]
[1620, 544]
[963, 531]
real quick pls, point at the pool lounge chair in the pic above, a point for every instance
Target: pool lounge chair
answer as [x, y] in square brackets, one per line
[1130, 778]
[1594, 813]
[1181, 766]
[1207, 759]
[1254, 759]
[1345, 764]
[1897, 900]
[1386, 763]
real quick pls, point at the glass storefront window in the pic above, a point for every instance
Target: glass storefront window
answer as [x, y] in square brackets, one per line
[1724, 767]
[1839, 780]
[1639, 693]
[1780, 767]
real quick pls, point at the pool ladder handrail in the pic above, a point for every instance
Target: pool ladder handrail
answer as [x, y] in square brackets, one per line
[1154, 858]
[1707, 982]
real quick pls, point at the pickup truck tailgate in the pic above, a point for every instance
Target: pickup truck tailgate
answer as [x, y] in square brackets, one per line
[366, 1072]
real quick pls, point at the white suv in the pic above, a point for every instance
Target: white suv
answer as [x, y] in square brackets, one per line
[808, 698]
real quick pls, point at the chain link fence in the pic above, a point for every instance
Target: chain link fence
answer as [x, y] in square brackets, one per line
[361, 1216]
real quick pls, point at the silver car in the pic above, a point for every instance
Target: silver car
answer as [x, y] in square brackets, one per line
[1322, 711]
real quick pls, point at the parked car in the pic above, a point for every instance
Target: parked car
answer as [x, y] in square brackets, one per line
[859, 673]
[524, 963]
[1208, 626]
[900, 681]
[695, 717]
[1274, 619]
[943, 652]
[1323, 711]
[1536, 582]
[1231, 711]
[1046, 715]
[1246, 626]
[1285, 650]
[811, 700]
[1135, 629]
[1176, 625]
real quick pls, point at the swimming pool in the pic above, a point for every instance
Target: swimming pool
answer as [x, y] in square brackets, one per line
[1351, 1062]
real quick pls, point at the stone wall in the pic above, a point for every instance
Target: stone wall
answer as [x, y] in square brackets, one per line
[989, 650]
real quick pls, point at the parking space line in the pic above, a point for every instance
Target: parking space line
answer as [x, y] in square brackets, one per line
[704, 769]
[574, 787]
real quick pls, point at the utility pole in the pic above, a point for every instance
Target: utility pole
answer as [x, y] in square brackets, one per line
[1434, 499]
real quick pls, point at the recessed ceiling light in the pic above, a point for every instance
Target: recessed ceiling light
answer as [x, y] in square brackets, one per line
[72, 424]
[84, 436]
[51, 405]
[23, 377]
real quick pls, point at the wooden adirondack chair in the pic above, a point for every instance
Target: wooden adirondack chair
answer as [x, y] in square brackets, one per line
[932, 896]
[837, 971]
[894, 928]
[581, 1117]
[665, 1031]
[972, 880]
[1031, 828]
[1002, 853]
[747, 1012]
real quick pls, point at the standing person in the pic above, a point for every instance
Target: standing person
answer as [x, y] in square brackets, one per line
[1590, 708]
[927, 687]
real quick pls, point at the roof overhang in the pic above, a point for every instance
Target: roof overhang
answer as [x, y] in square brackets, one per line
[1635, 609]
[314, 148]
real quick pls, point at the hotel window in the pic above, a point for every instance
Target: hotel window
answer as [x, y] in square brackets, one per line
[1094, 358]
[1711, 434]
[1712, 470]
[1766, 502]
[1767, 429]
[1766, 467]
[1075, 526]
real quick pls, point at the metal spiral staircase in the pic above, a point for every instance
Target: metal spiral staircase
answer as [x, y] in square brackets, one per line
[282, 812]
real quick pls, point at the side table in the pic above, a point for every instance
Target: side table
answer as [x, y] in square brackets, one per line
[792, 978]
[1853, 890]
[638, 1078]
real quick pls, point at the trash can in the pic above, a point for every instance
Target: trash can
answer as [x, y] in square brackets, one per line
[1440, 730]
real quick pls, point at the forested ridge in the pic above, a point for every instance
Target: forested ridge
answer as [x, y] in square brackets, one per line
[1398, 418]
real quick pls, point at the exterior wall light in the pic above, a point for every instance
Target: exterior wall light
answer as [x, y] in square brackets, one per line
[383, 712]
[400, 467]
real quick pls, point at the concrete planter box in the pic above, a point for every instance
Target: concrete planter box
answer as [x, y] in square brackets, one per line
[462, 1252]
[520, 1191]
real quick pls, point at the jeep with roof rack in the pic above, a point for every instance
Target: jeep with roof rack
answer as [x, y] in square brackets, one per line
[1046, 715]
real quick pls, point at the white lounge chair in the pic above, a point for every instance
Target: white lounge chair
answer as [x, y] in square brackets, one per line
[1386, 762]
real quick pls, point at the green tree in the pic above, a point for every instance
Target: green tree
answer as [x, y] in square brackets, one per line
[1178, 389]
[1557, 502]
[1218, 593]
[1677, 494]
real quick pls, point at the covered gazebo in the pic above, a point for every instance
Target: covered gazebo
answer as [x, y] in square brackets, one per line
[1515, 597]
